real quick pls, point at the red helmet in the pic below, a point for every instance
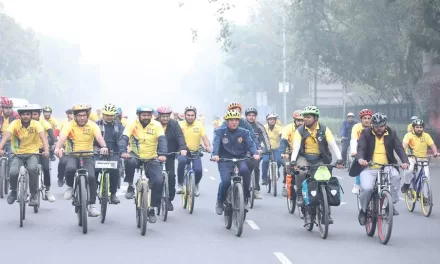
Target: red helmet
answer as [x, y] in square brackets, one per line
[6, 102]
[365, 112]
[164, 110]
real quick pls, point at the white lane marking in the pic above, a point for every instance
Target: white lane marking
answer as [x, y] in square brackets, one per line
[401, 198]
[343, 203]
[252, 225]
[212, 178]
[282, 258]
[205, 170]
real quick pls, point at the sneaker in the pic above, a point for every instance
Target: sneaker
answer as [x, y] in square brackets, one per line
[50, 197]
[68, 193]
[404, 188]
[219, 208]
[170, 206]
[264, 182]
[151, 216]
[179, 189]
[362, 218]
[93, 212]
[33, 201]
[299, 200]
[114, 199]
[197, 191]
[130, 192]
[356, 189]
[12, 197]
[60, 183]
[257, 195]
[284, 191]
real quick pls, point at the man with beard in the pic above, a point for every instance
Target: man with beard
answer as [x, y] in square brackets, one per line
[175, 142]
[25, 135]
[377, 144]
[147, 140]
[312, 144]
[416, 143]
[194, 132]
[261, 134]
[80, 134]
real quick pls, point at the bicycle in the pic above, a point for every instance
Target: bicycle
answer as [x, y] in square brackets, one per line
[374, 214]
[189, 181]
[121, 172]
[234, 205]
[104, 182]
[4, 175]
[349, 159]
[291, 189]
[81, 192]
[318, 211]
[273, 173]
[142, 199]
[420, 184]
[163, 209]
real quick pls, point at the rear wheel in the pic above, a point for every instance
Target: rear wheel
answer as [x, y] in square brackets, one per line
[83, 202]
[426, 197]
[227, 212]
[322, 213]
[308, 219]
[143, 208]
[411, 198]
[2, 177]
[185, 192]
[385, 217]
[104, 195]
[238, 208]
[274, 178]
[252, 191]
[371, 216]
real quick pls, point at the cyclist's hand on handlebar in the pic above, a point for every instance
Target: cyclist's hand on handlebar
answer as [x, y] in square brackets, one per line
[285, 156]
[208, 149]
[59, 152]
[256, 157]
[45, 154]
[404, 166]
[215, 158]
[125, 155]
[260, 151]
[363, 162]
[353, 154]
[103, 151]
[2, 152]
[436, 155]
[162, 158]
[183, 152]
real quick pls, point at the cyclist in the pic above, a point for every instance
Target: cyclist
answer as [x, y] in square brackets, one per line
[92, 115]
[79, 135]
[365, 116]
[47, 115]
[36, 113]
[62, 161]
[111, 131]
[312, 144]
[243, 123]
[7, 116]
[25, 134]
[175, 142]
[261, 134]
[410, 126]
[99, 113]
[287, 141]
[180, 116]
[377, 144]
[232, 142]
[417, 144]
[274, 132]
[147, 139]
[346, 129]
[216, 122]
[194, 132]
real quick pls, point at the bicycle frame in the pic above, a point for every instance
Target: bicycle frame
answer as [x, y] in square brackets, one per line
[417, 179]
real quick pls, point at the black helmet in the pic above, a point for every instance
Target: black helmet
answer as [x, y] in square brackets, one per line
[418, 122]
[379, 119]
[250, 110]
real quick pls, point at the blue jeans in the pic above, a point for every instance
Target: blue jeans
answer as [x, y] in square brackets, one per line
[196, 166]
[225, 168]
[358, 180]
[266, 158]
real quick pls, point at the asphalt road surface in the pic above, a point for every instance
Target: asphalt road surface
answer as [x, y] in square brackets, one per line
[271, 234]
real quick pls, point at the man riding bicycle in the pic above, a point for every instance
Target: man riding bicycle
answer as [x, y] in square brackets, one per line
[25, 134]
[346, 129]
[7, 116]
[232, 142]
[147, 139]
[175, 142]
[111, 131]
[377, 144]
[79, 135]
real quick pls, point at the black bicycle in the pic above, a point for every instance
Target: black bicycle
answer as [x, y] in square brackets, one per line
[104, 181]
[4, 176]
[162, 210]
[189, 181]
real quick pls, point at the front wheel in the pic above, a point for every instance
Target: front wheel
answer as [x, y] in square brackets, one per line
[385, 217]
[104, 187]
[252, 191]
[426, 197]
[2, 177]
[22, 198]
[83, 202]
[371, 216]
[274, 179]
[411, 198]
[185, 192]
[163, 210]
[238, 208]
[191, 192]
[143, 206]
[322, 212]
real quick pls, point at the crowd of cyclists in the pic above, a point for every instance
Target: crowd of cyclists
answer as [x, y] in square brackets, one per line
[155, 133]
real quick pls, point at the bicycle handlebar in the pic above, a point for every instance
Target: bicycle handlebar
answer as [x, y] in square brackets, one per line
[79, 153]
[233, 159]
[382, 165]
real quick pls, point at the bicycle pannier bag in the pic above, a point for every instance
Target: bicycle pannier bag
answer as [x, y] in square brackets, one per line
[310, 192]
[334, 192]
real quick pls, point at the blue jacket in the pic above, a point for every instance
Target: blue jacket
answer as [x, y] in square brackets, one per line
[111, 133]
[233, 143]
[245, 124]
[346, 128]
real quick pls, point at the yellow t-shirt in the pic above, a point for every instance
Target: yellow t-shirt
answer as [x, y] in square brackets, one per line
[216, 123]
[288, 134]
[80, 138]
[193, 134]
[380, 153]
[274, 135]
[311, 144]
[52, 121]
[94, 117]
[5, 124]
[25, 140]
[278, 122]
[124, 122]
[46, 126]
[357, 130]
[144, 141]
[418, 146]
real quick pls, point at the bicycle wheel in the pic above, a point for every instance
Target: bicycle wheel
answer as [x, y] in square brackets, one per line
[143, 214]
[238, 208]
[426, 197]
[163, 210]
[371, 216]
[83, 202]
[358, 198]
[2, 177]
[308, 219]
[191, 192]
[185, 191]
[291, 203]
[274, 179]
[40, 190]
[385, 217]
[269, 181]
[252, 190]
[137, 206]
[6, 185]
[411, 198]
[322, 213]
[348, 159]
[22, 198]
[103, 189]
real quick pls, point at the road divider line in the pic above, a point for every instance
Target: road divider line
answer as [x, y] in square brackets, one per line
[282, 258]
[252, 225]
[212, 178]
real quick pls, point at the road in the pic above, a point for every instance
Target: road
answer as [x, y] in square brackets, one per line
[271, 234]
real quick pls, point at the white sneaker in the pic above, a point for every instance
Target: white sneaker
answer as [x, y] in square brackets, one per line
[284, 191]
[68, 193]
[197, 191]
[50, 197]
[179, 189]
[356, 189]
[93, 212]
[258, 195]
